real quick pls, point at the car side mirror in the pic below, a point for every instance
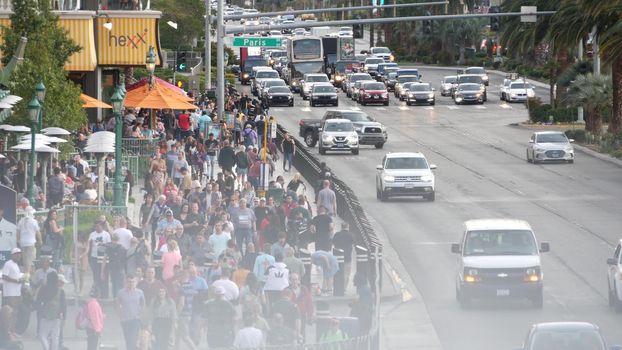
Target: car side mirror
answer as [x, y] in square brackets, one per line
[332, 81]
[379, 167]
[611, 261]
[455, 248]
[571, 140]
[544, 247]
[432, 166]
[319, 129]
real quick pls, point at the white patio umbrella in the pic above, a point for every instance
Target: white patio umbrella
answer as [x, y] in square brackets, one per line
[50, 139]
[26, 146]
[11, 99]
[18, 128]
[55, 131]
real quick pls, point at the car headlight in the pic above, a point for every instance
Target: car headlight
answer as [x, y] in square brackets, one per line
[430, 95]
[427, 178]
[391, 58]
[411, 95]
[479, 94]
[385, 95]
[538, 149]
[338, 78]
[367, 95]
[533, 275]
[485, 78]
[245, 75]
[358, 128]
[388, 178]
[294, 83]
[353, 138]
[326, 138]
[334, 97]
[471, 275]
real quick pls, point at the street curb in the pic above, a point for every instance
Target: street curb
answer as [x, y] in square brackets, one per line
[590, 152]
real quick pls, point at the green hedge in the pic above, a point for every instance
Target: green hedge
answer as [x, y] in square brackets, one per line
[545, 113]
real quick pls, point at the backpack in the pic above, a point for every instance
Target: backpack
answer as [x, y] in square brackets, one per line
[82, 318]
[117, 256]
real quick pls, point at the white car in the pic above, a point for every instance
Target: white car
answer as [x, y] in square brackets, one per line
[382, 52]
[448, 84]
[614, 278]
[478, 71]
[346, 31]
[405, 174]
[504, 88]
[308, 80]
[550, 146]
[338, 135]
[519, 91]
[499, 259]
[371, 65]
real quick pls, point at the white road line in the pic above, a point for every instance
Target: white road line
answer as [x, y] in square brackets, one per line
[404, 108]
[381, 109]
[429, 108]
[278, 109]
[305, 109]
[480, 107]
[355, 108]
[453, 107]
[505, 105]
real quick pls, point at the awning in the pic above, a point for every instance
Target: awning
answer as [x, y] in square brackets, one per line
[128, 42]
[159, 97]
[169, 88]
[90, 102]
[80, 28]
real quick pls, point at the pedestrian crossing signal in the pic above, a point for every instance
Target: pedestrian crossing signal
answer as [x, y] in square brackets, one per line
[179, 83]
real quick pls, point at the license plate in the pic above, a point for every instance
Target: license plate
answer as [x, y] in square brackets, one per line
[409, 186]
[503, 292]
[554, 154]
[341, 145]
[376, 97]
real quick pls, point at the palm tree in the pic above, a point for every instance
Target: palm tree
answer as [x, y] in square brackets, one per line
[594, 93]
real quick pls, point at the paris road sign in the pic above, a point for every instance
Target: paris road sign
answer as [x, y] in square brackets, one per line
[256, 42]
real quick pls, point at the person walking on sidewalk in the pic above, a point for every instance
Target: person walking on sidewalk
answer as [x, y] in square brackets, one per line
[130, 303]
[326, 198]
[288, 146]
[226, 157]
[52, 308]
[95, 317]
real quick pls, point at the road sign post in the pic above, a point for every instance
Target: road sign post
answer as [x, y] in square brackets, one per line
[256, 42]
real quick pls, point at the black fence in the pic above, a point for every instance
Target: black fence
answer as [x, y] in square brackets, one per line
[349, 208]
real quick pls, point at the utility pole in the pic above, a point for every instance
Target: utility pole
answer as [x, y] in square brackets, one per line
[580, 58]
[596, 49]
[220, 56]
[208, 46]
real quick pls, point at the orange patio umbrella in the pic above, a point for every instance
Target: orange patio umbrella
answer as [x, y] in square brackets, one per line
[90, 102]
[158, 97]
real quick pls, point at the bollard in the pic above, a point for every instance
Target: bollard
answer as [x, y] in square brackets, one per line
[305, 257]
[339, 282]
[322, 318]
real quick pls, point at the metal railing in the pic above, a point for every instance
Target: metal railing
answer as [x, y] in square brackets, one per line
[140, 147]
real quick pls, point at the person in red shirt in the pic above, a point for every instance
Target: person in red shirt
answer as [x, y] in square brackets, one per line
[183, 124]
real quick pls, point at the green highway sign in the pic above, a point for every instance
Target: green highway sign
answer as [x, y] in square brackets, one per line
[256, 42]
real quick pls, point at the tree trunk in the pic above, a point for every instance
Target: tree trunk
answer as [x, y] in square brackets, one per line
[462, 50]
[616, 112]
[562, 65]
[594, 122]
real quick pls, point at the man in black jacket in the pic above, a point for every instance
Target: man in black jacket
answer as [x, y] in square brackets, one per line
[226, 157]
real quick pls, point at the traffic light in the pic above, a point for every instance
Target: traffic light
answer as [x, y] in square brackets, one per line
[181, 61]
[180, 84]
[427, 24]
[495, 21]
[357, 30]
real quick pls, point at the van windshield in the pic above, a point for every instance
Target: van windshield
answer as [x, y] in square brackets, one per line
[500, 242]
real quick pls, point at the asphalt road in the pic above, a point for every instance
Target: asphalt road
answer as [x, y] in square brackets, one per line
[482, 173]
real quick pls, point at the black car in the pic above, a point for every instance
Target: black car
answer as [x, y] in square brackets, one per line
[389, 80]
[566, 335]
[279, 95]
[470, 93]
[323, 94]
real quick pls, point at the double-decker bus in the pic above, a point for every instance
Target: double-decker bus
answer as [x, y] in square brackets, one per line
[306, 55]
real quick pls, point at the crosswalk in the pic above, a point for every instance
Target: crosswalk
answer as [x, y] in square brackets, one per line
[398, 108]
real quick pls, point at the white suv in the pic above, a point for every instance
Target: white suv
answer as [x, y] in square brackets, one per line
[405, 174]
[614, 278]
[338, 135]
[499, 259]
[308, 81]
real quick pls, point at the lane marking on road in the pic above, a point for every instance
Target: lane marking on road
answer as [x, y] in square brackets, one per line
[381, 109]
[431, 243]
[355, 108]
[429, 108]
[278, 109]
[306, 109]
[505, 105]
[404, 108]
[453, 107]
[480, 107]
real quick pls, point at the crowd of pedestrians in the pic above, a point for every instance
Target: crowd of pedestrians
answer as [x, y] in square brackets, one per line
[214, 257]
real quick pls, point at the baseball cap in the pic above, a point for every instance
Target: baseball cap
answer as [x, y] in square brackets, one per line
[16, 250]
[196, 183]
[218, 290]
[169, 212]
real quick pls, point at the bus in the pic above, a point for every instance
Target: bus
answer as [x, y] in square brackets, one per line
[306, 55]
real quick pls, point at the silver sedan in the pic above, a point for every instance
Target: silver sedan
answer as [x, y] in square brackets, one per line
[550, 146]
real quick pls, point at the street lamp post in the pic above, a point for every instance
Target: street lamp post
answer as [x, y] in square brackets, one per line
[117, 106]
[33, 112]
[150, 64]
[40, 93]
